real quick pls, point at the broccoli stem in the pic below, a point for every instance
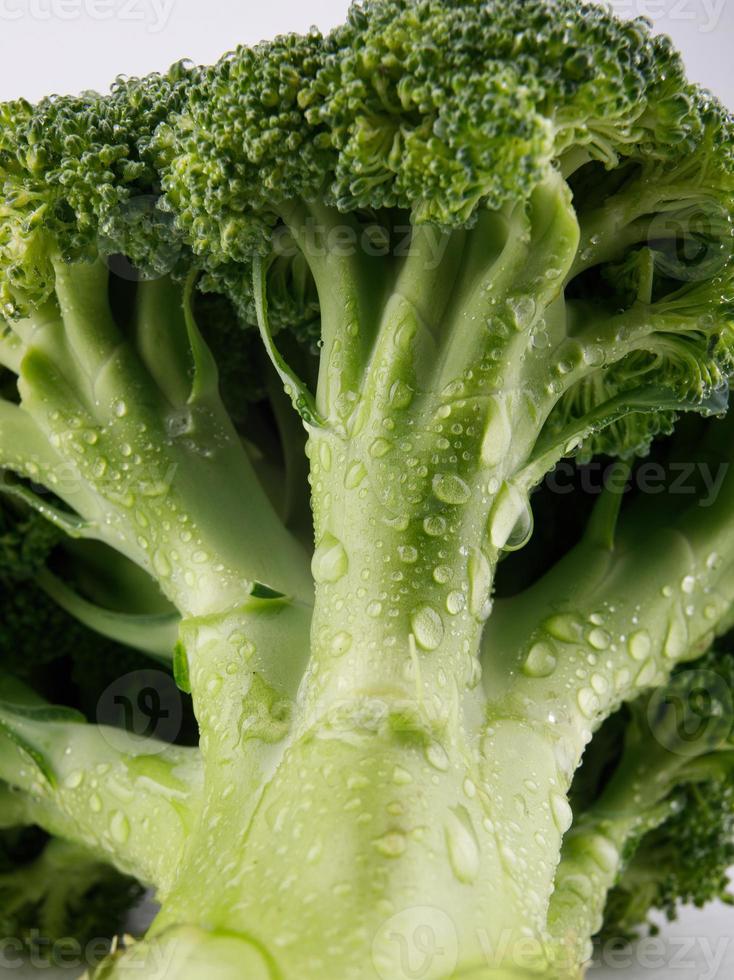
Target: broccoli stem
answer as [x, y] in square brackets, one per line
[104, 789]
[153, 634]
[155, 467]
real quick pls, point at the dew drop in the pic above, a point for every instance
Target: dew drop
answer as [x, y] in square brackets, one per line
[355, 475]
[676, 639]
[462, 845]
[450, 488]
[437, 757]
[401, 777]
[588, 702]
[341, 643]
[640, 645]
[480, 585]
[599, 639]
[646, 675]
[562, 812]
[455, 602]
[427, 628]
[330, 561]
[434, 525]
[408, 553]
[511, 520]
[119, 827]
[401, 395]
[497, 434]
[523, 310]
[391, 845]
[325, 456]
[161, 564]
[540, 661]
[380, 447]
[442, 574]
[564, 627]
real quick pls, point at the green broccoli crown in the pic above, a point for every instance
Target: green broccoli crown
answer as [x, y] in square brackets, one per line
[437, 111]
[76, 173]
[685, 858]
[436, 107]
[65, 894]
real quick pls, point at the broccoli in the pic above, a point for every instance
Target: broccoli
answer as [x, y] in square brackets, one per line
[64, 900]
[409, 266]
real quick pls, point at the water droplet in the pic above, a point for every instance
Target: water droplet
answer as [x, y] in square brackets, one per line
[497, 434]
[434, 525]
[511, 519]
[578, 884]
[480, 585]
[540, 662]
[380, 447]
[374, 609]
[325, 455]
[95, 803]
[161, 564]
[599, 683]
[74, 779]
[427, 628]
[450, 488]
[408, 553]
[330, 561]
[442, 574]
[119, 827]
[391, 845]
[341, 643]
[562, 812]
[713, 561]
[355, 475]
[604, 854]
[523, 309]
[640, 645]
[564, 627]
[646, 675]
[120, 409]
[599, 639]
[462, 845]
[688, 584]
[588, 702]
[401, 777]
[676, 639]
[401, 395]
[437, 757]
[455, 602]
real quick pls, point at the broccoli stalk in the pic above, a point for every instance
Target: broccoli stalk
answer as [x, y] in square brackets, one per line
[508, 229]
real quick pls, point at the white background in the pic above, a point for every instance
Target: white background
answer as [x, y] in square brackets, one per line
[68, 45]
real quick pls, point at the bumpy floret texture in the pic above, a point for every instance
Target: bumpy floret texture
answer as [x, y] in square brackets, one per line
[77, 173]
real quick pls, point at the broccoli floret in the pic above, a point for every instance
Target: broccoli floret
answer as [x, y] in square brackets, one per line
[686, 860]
[65, 895]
